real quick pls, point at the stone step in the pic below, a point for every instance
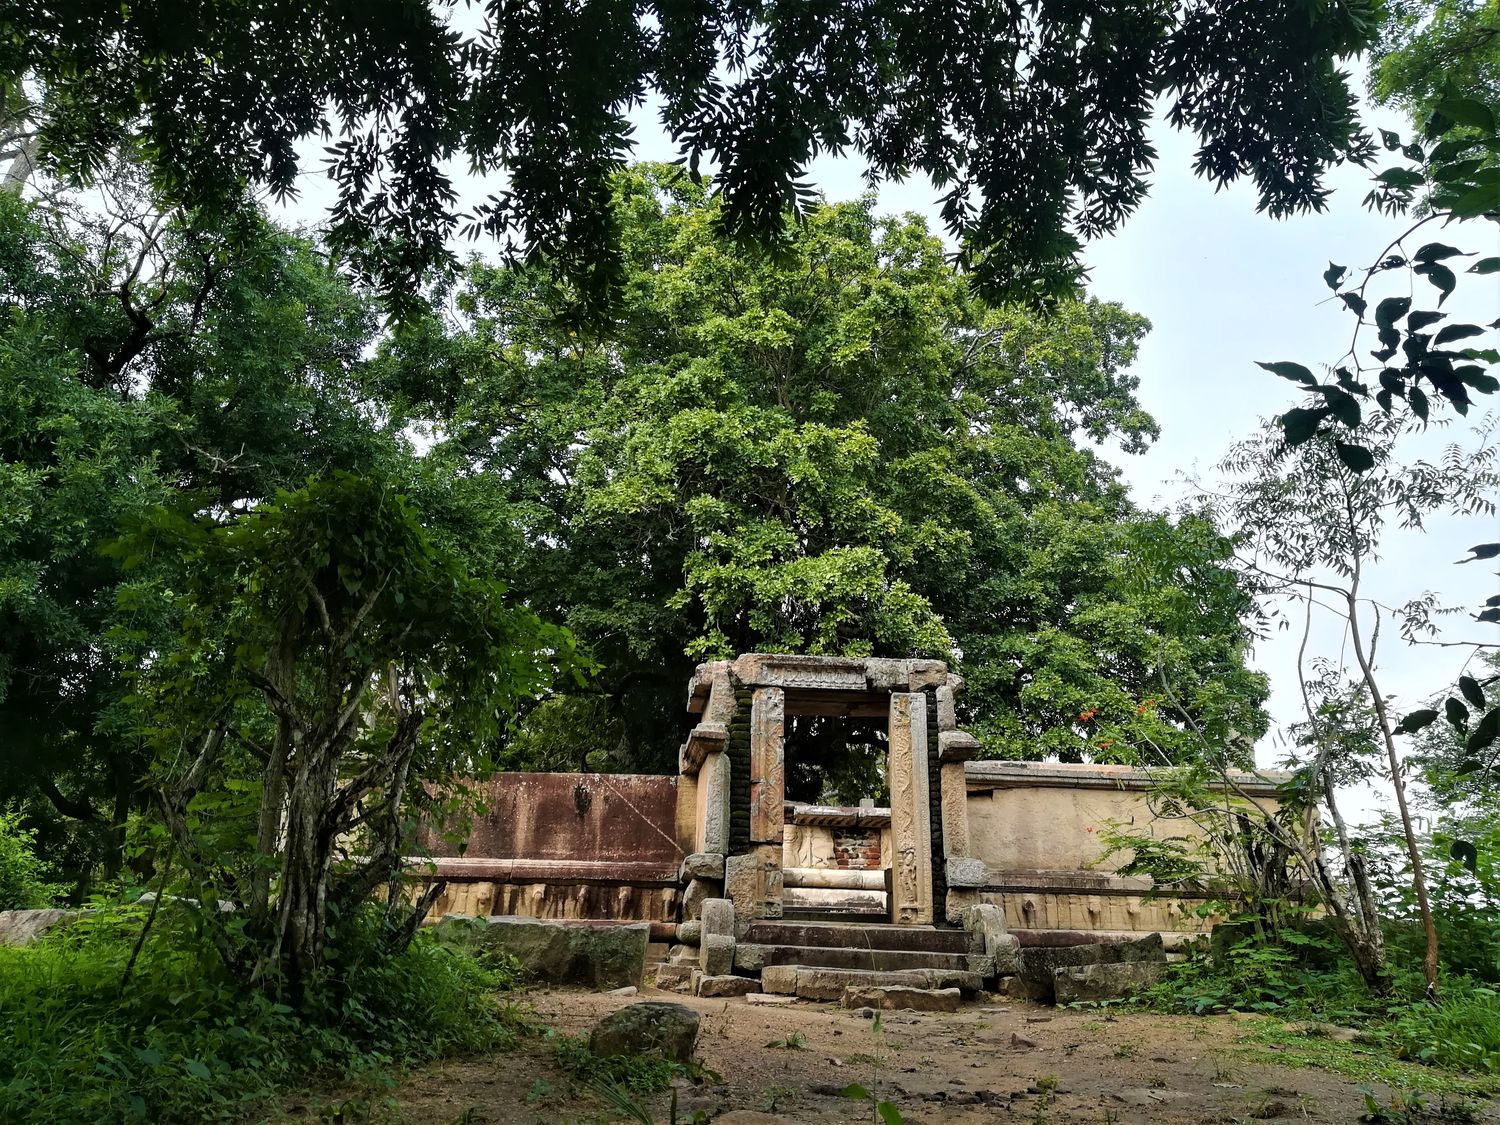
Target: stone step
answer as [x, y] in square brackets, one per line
[812, 982]
[825, 935]
[656, 952]
[749, 957]
[835, 916]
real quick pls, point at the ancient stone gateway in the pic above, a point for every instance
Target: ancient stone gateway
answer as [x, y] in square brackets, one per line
[977, 871]
[918, 869]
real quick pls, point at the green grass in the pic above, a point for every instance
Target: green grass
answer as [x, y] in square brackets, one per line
[181, 1042]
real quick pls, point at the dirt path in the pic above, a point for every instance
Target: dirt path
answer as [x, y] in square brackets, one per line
[975, 1065]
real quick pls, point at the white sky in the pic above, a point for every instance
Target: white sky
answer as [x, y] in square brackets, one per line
[1224, 287]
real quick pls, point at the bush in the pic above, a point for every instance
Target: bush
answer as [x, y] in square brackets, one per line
[180, 1042]
[23, 881]
[1461, 1031]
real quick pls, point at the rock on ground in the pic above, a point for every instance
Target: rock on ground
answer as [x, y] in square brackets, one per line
[22, 927]
[598, 956]
[916, 999]
[653, 1025]
[1105, 982]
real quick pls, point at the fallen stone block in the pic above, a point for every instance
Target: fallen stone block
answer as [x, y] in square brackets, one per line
[674, 978]
[1105, 982]
[727, 985]
[767, 998]
[718, 917]
[914, 999]
[779, 979]
[1037, 970]
[598, 956]
[654, 1025]
[22, 927]
[716, 955]
[698, 891]
[829, 984]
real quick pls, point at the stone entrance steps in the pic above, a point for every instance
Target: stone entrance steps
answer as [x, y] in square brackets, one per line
[863, 955]
[812, 982]
[826, 935]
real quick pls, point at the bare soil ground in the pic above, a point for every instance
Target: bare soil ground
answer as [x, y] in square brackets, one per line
[785, 1064]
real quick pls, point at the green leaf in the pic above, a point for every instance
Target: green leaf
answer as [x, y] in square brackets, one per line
[855, 1090]
[1440, 276]
[1418, 399]
[1457, 713]
[1436, 252]
[1356, 458]
[1465, 853]
[1300, 423]
[1422, 318]
[1333, 276]
[1345, 406]
[1294, 371]
[1391, 310]
[1475, 202]
[1415, 721]
[1456, 332]
[195, 1068]
[1485, 733]
[1482, 551]
[1486, 265]
[889, 1114]
[1355, 303]
[1469, 688]
[1467, 111]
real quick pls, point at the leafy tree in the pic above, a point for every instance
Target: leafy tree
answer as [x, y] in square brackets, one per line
[1031, 118]
[1427, 48]
[332, 661]
[1308, 526]
[141, 363]
[839, 449]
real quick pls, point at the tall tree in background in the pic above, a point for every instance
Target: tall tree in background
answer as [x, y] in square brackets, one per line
[1429, 49]
[839, 449]
[1031, 117]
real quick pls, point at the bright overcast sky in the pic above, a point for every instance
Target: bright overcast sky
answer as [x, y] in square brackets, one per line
[1224, 287]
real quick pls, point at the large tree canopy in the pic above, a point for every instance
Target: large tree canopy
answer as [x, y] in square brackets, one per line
[839, 449]
[1030, 117]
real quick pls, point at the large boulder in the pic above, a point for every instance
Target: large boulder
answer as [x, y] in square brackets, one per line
[598, 956]
[638, 1029]
[1105, 982]
[22, 927]
[1036, 978]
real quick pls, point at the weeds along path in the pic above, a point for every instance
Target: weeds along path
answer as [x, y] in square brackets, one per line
[786, 1064]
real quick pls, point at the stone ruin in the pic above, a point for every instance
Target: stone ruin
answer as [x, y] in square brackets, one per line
[975, 871]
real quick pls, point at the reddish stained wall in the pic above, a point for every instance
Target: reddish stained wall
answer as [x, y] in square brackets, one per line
[576, 817]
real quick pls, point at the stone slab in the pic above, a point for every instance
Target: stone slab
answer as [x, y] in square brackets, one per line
[674, 978]
[716, 955]
[603, 957]
[965, 872]
[829, 984]
[703, 865]
[727, 985]
[718, 917]
[897, 996]
[1039, 964]
[947, 710]
[768, 998]
[779, 980]
[1071, 985]
[753, 882]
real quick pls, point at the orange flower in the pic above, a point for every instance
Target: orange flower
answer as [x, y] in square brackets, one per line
[1087, 715]
[1106, 743]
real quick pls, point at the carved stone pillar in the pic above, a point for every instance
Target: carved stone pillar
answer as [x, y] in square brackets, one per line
[767, 765]
[911, 823]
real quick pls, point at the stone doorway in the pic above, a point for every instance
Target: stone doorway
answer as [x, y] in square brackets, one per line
[735, 759]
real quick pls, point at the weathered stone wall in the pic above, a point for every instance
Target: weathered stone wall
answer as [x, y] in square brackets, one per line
[569, 845]
[1036, 827]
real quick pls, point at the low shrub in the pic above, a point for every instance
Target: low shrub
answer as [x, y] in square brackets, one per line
[1461, 1031]
[24, 884]
[179, 1042]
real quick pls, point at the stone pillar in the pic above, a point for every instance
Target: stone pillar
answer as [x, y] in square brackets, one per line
[712, 821]
[767, 765]
[911, 823]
